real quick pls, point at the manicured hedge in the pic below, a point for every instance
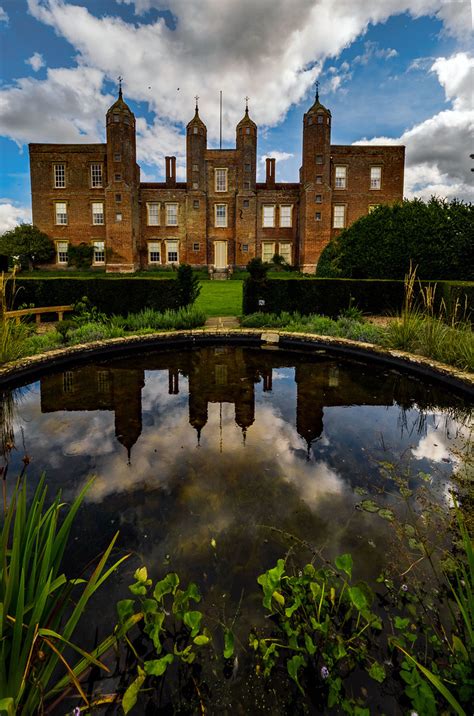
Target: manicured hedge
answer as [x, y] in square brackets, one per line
[330, 296]
[119, 296]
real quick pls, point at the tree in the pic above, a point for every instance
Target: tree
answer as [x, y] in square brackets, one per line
[436, 236]
[28, 243]
[187, 286]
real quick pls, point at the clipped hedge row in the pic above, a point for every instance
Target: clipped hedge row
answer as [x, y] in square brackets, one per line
[120, 296]
[330, 296]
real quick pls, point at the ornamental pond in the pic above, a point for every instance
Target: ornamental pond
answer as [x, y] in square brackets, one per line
[215, 462]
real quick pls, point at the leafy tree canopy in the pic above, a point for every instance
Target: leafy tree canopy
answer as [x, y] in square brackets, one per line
[436, 236]
[28, 243]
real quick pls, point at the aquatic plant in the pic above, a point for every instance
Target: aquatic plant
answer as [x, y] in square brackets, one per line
[41, 607]
[12, 334]
[173, 628]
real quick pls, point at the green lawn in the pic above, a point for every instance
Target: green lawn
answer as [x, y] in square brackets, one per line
[220, 298]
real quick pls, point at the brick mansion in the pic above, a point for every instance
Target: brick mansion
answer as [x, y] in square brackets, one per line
[220, 217]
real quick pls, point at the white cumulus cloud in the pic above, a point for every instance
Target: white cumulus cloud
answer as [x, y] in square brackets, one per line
[437, 150]
[11, 215]
[3, 15]
[36, 61]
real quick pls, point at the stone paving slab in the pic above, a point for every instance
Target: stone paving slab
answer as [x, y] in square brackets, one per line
[223, 322]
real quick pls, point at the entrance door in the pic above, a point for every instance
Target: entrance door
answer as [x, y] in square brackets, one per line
[220, 254]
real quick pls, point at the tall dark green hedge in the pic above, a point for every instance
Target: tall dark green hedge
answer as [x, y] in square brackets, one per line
[111, 296]
[329, 296]
[437, 237]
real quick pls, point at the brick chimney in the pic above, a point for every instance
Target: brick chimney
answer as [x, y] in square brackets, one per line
[270, 179]
[170, 163]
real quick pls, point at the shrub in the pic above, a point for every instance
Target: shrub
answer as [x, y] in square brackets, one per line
[436, 236]
[257, 269]
[187, 286]
[110, 295]
[80, 256]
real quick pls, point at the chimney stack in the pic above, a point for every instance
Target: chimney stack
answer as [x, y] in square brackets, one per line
[170, 163]
[270, 164]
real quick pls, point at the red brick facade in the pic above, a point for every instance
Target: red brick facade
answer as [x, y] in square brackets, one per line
[220, 216]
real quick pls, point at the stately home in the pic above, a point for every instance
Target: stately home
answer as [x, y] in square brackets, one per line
[220, 217]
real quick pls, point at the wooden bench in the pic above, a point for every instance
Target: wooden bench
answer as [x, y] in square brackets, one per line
[37, 312]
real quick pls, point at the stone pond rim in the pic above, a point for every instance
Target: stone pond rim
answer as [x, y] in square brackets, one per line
[27, 368]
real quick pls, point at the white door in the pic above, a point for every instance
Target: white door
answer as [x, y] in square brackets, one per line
[220, 254]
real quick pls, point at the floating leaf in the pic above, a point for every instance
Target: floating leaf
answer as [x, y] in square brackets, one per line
[401, 623]
[138, 589]
[193, 621]
[369, 506]
[229, 643]
[125, 609]
[310, 646]
[168, 585]
[131, 695]
[201, 640]
[344, 563]
[387, 514]
[358, 598]
[141, 575]
[294, 665]
[377, 672]
[157, 667]
[409, 530]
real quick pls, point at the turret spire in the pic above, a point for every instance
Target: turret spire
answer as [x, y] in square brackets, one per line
[317, 90]
[120, 79]
[197, 105]
[247, 105]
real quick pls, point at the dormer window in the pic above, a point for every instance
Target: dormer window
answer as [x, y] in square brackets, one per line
[195, 130]
[116, 117]
[320, 118]
[247, 130]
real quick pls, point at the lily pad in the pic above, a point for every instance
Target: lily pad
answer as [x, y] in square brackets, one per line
[369, 506]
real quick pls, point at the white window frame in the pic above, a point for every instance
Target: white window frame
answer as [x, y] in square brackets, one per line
[340, 177]
[169, 243]
[220, 219]
[220, 179]
[265, 245]
[59, 171]
[118, 216]
[97, 214]
[286, 253]
[339, 216]
[97, 176]
[268, 216]
[99, 252]
[60, 217]
[154, 247]
[62, 248]
[171, 215]
[150, 213]
[286, 219]
[376, 178]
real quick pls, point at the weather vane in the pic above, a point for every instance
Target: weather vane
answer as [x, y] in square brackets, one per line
[196, 97]
[317, 90]
[120, 79]
[247, 104]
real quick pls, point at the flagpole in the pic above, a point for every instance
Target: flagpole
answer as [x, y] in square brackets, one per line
[220, 122]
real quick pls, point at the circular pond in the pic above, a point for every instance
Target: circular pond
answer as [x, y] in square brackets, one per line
[215, 462]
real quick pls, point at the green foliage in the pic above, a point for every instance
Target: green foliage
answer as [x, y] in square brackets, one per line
[325, 626]
[332, 296]
[110, 295]
[171, 627]
[41, 607]
[436, 236]
[321, 325]
[27, 245]
[12, 335]
[187, 286]
[257, 269]
[80, 256]
[151, 320]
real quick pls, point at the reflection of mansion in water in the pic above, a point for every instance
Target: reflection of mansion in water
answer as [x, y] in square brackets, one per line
[215, 375]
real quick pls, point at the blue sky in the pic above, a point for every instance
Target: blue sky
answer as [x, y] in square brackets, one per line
[388, 76]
